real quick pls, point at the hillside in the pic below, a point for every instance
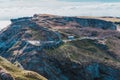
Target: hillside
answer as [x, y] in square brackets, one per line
[64, 48]
[9, 71]
[57, 22]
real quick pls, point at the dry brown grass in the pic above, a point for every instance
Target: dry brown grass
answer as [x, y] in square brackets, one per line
[19, 74]
[112, 19]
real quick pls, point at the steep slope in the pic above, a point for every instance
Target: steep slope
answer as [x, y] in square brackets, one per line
[57, 22]
[41, 43]
[9, 71]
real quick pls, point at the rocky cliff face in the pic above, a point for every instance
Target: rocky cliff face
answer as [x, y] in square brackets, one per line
[57, 21]
[40, 44]
[4, 75]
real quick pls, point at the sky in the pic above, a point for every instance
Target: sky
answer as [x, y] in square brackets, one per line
[20, 8]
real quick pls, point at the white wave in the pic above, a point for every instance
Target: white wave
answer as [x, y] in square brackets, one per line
[4, 24]
[18, 8]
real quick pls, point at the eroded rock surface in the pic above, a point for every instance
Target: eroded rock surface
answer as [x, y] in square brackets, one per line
[74, 60]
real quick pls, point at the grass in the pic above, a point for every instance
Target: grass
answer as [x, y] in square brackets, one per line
[112, 19]
[19, 74]
[36, 35]
[81, 50]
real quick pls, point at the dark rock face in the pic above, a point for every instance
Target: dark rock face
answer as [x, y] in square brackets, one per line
[55, 65]
[97, 24]
[4, 75]
[67, 70]
[76, 22]
[102, 72]
[18, 31]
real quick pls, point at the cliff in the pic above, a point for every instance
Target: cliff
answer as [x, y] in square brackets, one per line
[40, 43]
[61, 21]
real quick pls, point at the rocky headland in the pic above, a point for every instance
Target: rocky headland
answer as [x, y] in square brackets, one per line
[42, 44]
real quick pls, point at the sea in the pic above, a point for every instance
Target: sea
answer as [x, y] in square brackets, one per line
[10, 9]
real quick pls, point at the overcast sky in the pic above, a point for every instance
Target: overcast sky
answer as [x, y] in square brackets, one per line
[18, 8]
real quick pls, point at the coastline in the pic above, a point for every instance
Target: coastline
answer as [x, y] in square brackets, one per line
[4, 23]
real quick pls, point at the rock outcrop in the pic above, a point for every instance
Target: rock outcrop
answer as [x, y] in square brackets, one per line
[84, 59]
[58, 21]
[4, 75]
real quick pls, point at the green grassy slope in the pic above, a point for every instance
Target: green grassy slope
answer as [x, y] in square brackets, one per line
[85, 51]
[17, 73]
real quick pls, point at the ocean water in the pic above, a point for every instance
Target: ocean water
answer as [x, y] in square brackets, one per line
[4, 24]
[19, 8]
[92, 0]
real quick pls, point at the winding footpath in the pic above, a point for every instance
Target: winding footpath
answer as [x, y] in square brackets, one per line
[40, 43]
